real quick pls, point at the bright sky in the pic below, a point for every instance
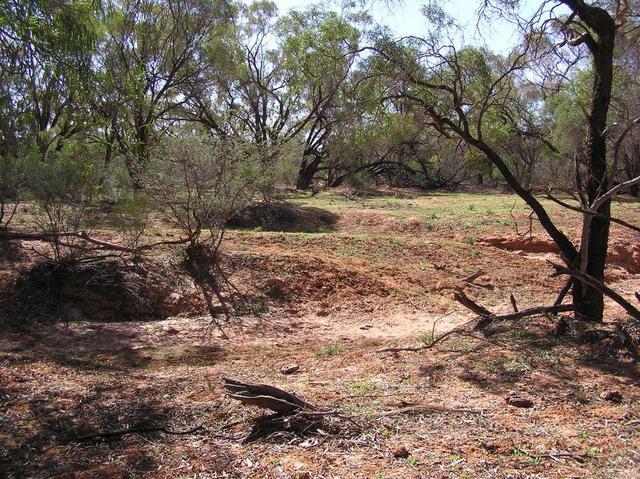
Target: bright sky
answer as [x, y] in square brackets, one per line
[404, 17]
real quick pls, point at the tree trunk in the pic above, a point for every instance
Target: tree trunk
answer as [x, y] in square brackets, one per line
[589, 302]
[307, 172]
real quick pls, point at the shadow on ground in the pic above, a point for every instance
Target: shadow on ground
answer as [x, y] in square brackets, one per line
[528, 357]
[61, 385]
[285, 217]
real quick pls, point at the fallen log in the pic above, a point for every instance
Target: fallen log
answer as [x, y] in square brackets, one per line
[266, 397]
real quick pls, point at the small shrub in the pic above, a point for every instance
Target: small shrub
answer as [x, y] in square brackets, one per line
[330, 350]
[258, 308]
[11, 183]
[361, 389]
[63, 188]
[470, 240]
[426, 338]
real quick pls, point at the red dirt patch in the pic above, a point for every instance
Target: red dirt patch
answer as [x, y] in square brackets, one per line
[528, 244]
[622, 254]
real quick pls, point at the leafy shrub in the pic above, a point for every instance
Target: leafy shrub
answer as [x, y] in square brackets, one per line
[11, 183]
[62, 188]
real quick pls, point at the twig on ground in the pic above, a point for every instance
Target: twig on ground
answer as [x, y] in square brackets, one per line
[468, 303]
[459, 330]
[420, 408]
[512, 298]
[118, 433]
[472, 277]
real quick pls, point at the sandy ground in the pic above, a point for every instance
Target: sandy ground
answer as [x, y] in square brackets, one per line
[351, 277]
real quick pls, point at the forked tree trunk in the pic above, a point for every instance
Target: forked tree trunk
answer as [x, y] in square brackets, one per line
[307, 171]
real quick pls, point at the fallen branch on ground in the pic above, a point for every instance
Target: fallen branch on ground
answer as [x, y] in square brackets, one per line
[285, 404]
[487, 317]
[514, 304]
[598, 285]
[468, 303]
[118, 433]
[420, 408]
[564, 291]
[459, 330]
[83, 235]
[472, 277]
[266, 397]
[553, 309]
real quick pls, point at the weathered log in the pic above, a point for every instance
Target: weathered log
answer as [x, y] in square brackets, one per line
[266, 397]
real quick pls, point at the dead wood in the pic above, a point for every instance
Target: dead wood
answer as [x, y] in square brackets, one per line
[118, 433]
[84, 236]
[468, 303]
[459, 330]
[266, 397]
[564, 291]
[592, 213]
[487, 317]
[596, 284]
[472, 277]
[422, 408]
[553, 309]
[138, 430]
[514, 305]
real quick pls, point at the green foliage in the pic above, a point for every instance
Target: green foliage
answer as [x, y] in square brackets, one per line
[71, 177]
[12, 181]
[199, 183]
[330, 350]
[62, 189]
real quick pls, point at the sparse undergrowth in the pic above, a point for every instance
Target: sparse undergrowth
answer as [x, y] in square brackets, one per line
[327, 302]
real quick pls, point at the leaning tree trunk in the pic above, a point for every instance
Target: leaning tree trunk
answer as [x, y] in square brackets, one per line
[588, 301]
[307, 171]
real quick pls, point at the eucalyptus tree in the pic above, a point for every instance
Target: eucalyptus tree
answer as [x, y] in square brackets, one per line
[149, 58]
[323, 48]
[45, 60]
[247, 94]
[460, 93]
[277, 80]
